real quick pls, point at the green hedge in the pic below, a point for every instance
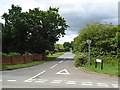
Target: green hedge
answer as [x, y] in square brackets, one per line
[10, 54]
[80, 59]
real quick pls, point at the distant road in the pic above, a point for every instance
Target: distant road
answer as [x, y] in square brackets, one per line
[59, 73]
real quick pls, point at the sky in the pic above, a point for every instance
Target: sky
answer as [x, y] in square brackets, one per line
[76, 12]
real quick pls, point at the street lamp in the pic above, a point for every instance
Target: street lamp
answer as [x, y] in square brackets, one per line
[89, 41]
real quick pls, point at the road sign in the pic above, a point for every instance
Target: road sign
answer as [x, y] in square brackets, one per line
[89, 41]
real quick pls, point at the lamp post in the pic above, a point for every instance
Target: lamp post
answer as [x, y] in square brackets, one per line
[89, 41]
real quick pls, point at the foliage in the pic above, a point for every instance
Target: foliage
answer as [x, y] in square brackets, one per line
[34, 31]
[67, 49]
[67, 44]
[47, 52]
[105, 41]
[80, 59]
[10, 54]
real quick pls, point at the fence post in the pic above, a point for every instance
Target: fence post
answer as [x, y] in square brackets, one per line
[26, 53]
[102, 64]
[95, 63]
[12, 59]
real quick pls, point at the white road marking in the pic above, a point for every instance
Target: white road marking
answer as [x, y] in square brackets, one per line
[56, 81]
[64, 70]
[71, 82]
[0, 80]
[11, 80]
[31, 79]
[87, 83]
[61, 61]
[115, 85]
[54, 66]
[42, 80]
[102, 84]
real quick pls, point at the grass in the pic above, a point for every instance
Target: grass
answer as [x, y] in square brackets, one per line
[108, 68]
[56, 55]
[14, 66]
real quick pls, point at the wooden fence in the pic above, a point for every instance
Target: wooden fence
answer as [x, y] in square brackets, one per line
[21, 59]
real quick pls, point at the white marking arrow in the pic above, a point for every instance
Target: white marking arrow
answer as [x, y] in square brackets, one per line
[64, 71]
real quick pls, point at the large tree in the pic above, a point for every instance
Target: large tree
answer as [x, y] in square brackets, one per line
[104, 38]
[35, 30]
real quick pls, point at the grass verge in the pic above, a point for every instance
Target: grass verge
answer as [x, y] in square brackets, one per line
[108, 68]
[15, 66]
[56, 55]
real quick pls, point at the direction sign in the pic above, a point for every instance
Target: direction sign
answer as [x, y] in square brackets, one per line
[88, 41]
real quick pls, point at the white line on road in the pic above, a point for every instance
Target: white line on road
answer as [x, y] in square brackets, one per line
[30, 80]
[87, 83]
[42, 80]
[53, 66]
[64, 71]
[56, 81]
[61, 61]
[11, 80]
[0, 80]
[71, 82]
[115, 85]
[102, 84]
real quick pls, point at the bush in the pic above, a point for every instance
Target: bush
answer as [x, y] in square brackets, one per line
[67, 49]
[13, 53]
[47, 52]
[80, 59]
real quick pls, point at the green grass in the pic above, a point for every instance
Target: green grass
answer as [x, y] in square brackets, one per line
[14, 66]
[108, 68]
[56, 55]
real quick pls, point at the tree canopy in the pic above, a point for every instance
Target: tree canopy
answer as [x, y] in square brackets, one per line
[34, 31]
[104, 38]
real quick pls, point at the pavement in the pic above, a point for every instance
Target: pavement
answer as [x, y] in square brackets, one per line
[58, 73]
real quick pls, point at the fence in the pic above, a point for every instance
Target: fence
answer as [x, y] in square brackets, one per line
[21, 59]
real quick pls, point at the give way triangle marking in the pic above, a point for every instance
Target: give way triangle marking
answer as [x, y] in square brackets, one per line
[64, 71]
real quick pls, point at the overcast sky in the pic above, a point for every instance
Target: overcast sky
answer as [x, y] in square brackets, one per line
[76, 12]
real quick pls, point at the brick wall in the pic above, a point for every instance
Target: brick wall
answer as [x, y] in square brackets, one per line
[21, 59]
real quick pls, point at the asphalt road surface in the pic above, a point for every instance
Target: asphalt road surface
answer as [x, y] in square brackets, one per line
[59, 73]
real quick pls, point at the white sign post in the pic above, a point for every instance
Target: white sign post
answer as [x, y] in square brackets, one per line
[89, 41]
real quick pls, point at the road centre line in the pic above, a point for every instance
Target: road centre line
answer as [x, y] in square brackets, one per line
[61, 61]
[53, 66]
[11, 80]
[29, 80]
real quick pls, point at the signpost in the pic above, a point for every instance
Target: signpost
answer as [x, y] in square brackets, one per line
[89, 41]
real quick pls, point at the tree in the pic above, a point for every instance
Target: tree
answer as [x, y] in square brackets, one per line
[67, 44]
[34, 31]
[103, 36]
[14, 32]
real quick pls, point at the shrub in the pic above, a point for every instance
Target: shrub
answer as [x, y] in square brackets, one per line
[67, 49]
[13, 53]
[80, 59]
[47, 52]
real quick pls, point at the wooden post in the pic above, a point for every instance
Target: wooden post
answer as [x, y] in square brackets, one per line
[102, 64]
[95, 63]
[12, 59]
[26, 54]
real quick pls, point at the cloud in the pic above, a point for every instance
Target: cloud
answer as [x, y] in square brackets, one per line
[76, 12]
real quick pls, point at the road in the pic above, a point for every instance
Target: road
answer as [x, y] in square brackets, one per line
[59, 73]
